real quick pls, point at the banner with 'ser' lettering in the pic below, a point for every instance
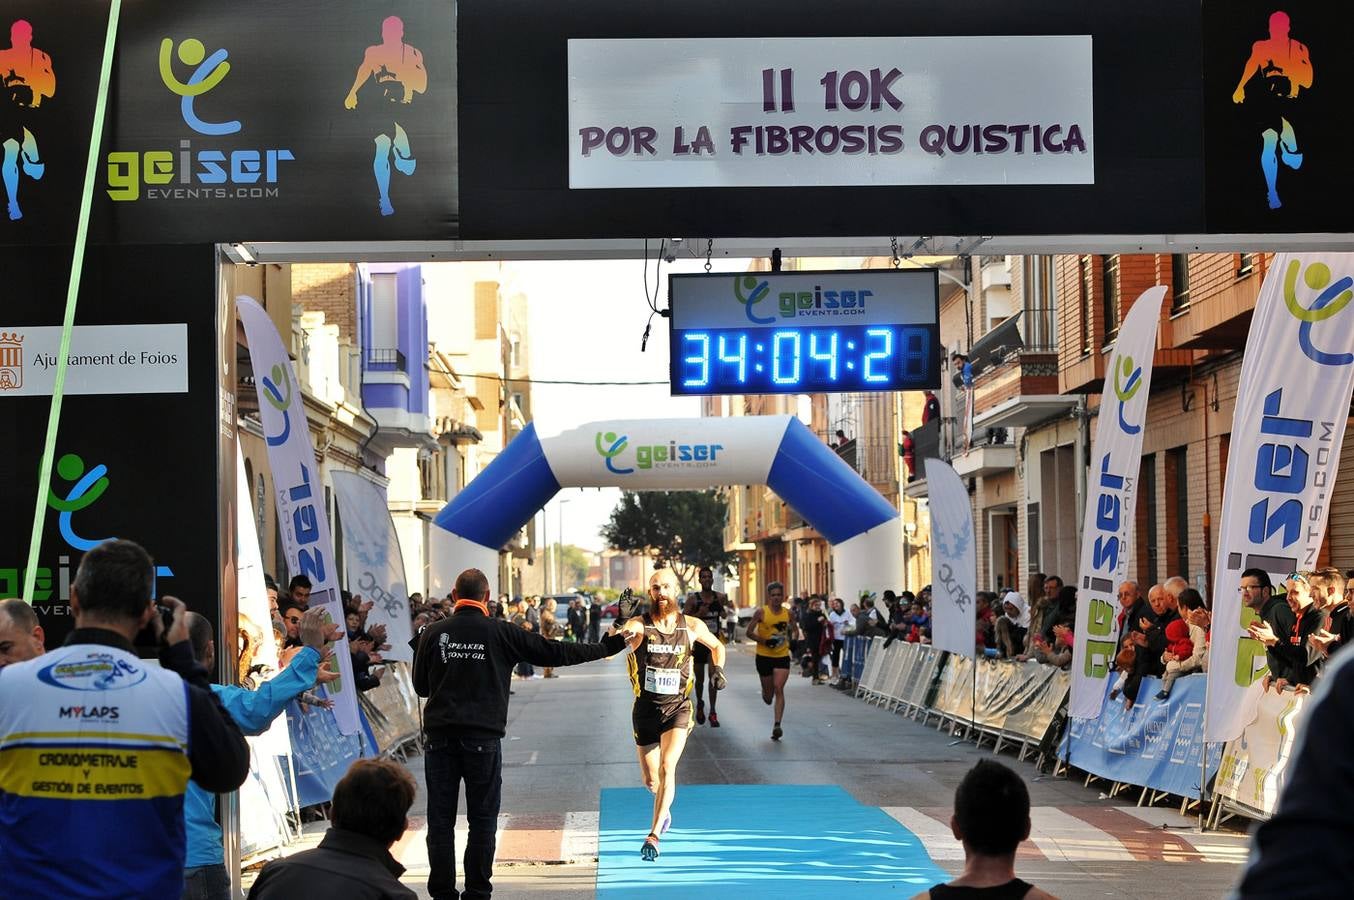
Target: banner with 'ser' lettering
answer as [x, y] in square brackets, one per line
[1291, 408]
[1107, 530]
[371, 550]
[301, 516]
[954, 561]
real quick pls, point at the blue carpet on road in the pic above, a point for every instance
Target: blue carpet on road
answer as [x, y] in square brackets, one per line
[784, 841]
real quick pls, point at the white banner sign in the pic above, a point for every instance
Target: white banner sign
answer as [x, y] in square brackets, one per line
[666, 453]
[776, 300]
[1291, 408]
[769, 112]
[302, 520]
[1107, 530]
[1253, 766]
[371, 551]
[954, 561]
[103, 359]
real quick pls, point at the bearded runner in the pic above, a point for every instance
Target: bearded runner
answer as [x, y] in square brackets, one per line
[660, 673]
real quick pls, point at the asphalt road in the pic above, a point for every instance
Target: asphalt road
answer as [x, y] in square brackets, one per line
[569, 737]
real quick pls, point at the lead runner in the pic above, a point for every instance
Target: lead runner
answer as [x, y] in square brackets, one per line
[660, 673]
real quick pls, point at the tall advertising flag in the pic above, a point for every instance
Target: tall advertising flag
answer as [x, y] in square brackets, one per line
[1292, 404]
[301, 516]
[954, 561]
[1107, 531]
[371, 552]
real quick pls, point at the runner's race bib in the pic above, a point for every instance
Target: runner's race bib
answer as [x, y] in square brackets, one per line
[662, 681]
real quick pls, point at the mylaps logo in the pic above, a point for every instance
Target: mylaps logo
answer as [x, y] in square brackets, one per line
[1127, 380]
[90, 713]
[1330, 302]
[820, 302]
[196, 173]
[656, 456]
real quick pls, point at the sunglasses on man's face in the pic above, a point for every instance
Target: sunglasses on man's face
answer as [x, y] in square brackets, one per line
[295, 620]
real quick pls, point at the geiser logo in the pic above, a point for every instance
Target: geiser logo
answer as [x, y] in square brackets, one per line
[1292, 470]
[300, 512]
[1127, 380]
[1328, 304]
[11, 361]
[1111, 526]
[204, 173]
[750, 291]
[655, 456]
[1111, 532]
[85, 488]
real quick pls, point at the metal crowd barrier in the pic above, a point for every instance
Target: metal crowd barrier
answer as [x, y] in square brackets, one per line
[1017, 703]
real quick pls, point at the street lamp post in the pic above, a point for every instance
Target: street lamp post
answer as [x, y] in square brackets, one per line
[559, 554]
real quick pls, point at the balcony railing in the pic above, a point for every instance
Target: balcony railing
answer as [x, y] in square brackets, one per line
[384, 359]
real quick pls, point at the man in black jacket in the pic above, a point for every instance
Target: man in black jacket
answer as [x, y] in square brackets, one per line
[353, 861]
[1290, 662]
[463, 665]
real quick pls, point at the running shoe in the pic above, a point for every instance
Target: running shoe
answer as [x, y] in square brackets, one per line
[700, 712]
[714, 720]
[776, 733]
[649, 852]
[665, 825]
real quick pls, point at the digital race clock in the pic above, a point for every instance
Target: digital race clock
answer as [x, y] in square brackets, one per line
[805, 332]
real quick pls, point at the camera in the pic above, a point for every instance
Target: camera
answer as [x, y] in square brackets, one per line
[146, 639]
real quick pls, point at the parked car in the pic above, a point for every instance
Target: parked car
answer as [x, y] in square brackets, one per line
[562, 602]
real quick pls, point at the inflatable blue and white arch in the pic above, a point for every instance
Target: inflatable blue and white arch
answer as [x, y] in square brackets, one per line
[675, 454]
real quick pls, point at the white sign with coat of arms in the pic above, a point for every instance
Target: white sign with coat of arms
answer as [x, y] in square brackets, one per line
[103, 359]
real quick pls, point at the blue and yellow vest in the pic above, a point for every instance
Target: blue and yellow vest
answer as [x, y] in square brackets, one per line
[93, 767]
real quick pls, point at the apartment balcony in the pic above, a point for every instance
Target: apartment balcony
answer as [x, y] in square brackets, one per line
[993, 452]
[1219, 319]
[397, 397]
[925, 445]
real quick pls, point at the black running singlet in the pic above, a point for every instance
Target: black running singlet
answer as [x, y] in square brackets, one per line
[660, 667]
[712, 613]
[1015, 889]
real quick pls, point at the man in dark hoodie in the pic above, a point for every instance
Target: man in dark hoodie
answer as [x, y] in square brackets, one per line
[463, 665]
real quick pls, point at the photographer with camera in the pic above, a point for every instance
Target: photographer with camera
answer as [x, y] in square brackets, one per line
[98, 746]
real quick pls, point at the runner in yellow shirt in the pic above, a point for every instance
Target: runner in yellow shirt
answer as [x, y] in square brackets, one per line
[773, 630]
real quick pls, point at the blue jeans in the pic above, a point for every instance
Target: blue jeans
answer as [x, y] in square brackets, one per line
[479, 763]
[207, 883]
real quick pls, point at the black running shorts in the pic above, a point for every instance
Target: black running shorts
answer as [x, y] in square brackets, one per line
[768, 664]
[652, 719]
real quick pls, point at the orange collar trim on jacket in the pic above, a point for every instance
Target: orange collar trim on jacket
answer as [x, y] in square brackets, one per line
[478, 604]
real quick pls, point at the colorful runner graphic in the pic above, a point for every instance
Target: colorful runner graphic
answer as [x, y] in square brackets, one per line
[398, 71]
[1285, 67]
[27, 78]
